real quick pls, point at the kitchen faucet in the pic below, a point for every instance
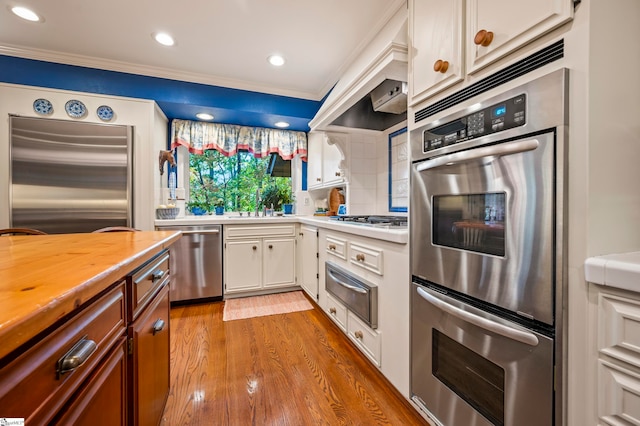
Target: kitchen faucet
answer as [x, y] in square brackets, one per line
[258, 200]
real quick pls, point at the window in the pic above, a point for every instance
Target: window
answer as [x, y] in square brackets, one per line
[233, 182]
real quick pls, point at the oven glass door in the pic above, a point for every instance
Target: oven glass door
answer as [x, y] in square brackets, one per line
[482, 223]
[469, 367]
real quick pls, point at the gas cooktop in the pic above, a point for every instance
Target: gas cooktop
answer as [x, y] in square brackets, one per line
[374, 220]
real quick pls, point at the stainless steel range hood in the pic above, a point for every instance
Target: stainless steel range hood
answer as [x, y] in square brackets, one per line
[384, 107]
[390, 96]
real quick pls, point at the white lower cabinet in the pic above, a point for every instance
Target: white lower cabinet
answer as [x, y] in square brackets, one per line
[243, 265]
[337, 312]
[617, 317]
[259, 258]
[308, 259]
[278, 256]
[368, 340]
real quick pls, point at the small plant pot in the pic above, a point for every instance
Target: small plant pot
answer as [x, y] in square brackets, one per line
[198, 211]
[288, 208]
[219, 211]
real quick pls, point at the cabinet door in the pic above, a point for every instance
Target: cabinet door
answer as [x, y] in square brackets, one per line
[243, 265]
[309, 260]
[435, 31]
[513, 23]
[279, 262]
[149, 366]
[314, 159]
[102, 400]
[331, 161]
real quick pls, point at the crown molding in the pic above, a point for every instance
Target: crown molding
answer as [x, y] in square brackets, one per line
[151, 71]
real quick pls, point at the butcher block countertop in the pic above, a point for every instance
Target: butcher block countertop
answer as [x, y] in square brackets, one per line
[45, 277]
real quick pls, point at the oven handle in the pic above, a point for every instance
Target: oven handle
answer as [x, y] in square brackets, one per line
[506, 148]
[503, 330]
[349, 286]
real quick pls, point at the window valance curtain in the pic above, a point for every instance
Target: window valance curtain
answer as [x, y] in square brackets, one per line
[227, 139]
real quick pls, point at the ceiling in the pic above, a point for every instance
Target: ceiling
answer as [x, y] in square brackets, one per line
[221, 43]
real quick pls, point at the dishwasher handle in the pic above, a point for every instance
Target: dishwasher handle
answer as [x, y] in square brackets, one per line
[202, 231]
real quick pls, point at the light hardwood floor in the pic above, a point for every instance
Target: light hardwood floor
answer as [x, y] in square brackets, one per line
[289, 369]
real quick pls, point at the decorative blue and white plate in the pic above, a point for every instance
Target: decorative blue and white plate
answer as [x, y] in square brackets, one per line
[75, 109]
[105, 113]
[42, 106]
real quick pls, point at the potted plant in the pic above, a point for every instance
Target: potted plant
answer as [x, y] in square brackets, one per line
[279, 196]
[198, 208]
[219, 206]
[287, 200]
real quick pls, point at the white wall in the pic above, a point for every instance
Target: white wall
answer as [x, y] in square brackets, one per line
[148, 137]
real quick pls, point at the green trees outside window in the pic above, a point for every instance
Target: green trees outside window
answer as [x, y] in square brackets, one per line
[232, 182]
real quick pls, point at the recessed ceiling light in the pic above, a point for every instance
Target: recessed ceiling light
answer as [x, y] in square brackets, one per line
[204, 116]
[164, 39]
[276, 60]
[27, 14]
[281, 124]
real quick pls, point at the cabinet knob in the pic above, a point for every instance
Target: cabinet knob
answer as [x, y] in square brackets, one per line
[483, 38]
[332, 247]
[441, 66]
[255, 247]
[360, 257]
[332, 310]
[318, 180]
[358, 334]
[270, 246]
[337, 173]
[301, 234]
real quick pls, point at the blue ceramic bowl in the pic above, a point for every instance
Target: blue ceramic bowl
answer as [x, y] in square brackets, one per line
[198, 211]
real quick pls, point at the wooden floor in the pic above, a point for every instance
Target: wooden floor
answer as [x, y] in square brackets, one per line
[289, 369]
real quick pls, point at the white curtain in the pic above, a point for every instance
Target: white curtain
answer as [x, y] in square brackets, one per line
[227, 139]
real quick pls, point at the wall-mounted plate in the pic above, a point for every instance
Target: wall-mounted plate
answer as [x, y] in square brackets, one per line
[75, 109]
[43, 106]
[105, 113]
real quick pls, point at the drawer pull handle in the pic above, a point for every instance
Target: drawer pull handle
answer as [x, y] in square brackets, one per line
[358, 334]
[332, 310]
[254, 248]
[76, 356]
[270, 246]
[332, 247]
[360, 257]
[156, 276]
[158, 326]
[337, 173]
[318, 179]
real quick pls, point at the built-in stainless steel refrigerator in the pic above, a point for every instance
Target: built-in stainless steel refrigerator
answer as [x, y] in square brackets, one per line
[69, 176]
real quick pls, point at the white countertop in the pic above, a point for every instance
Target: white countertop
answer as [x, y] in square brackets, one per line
[615, 270]
[394, 235]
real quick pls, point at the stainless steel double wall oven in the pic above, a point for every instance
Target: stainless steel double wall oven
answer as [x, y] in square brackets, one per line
[487, 230]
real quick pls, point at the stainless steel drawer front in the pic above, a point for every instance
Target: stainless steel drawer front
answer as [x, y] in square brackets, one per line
[359, 297]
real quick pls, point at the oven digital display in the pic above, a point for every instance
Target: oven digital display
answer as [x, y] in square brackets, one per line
[473, 222]
[498, 111]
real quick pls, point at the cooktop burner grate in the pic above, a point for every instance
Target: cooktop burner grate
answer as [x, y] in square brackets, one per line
[375, 220]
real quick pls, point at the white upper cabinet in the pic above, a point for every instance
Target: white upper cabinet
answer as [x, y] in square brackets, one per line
[496, 28]
[449, 40]
[435, 55]
[324, 166]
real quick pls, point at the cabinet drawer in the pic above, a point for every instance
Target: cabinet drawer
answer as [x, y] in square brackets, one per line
[367, 257]
[337, 247]
[366, 339]
[145, 282]
[102, 400]
[260, 231]
[619, 395]
[337, 312]
[35, 387]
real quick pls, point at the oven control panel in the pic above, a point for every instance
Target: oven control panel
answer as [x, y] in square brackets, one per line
[492, 119]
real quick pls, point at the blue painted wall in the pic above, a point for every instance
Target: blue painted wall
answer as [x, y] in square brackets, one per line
[177, 99]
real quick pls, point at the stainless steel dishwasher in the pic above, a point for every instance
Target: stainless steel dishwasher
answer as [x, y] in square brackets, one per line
[195, 263]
